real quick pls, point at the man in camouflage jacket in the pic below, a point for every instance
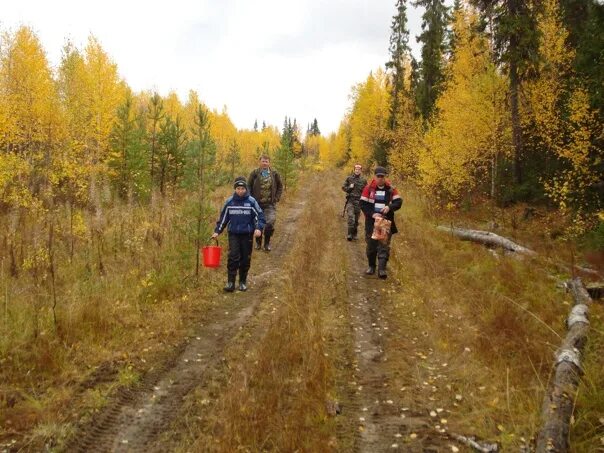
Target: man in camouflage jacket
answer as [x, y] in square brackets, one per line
[353, 186]
[265, 186]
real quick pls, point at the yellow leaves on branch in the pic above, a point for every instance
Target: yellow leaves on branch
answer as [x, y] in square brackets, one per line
[339, 144]
[564, 123]
[471, 125]
[27, 93]
[369, 116]
[14, 174]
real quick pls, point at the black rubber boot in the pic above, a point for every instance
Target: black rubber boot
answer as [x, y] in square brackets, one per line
[230, 286]
[267, 241]
[371, 263]
[382, 270]
[243, 281]
[258, 243]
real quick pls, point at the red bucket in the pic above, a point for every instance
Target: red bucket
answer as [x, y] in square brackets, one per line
[211, 255]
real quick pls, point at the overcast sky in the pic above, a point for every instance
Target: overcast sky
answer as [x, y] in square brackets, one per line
[262, 59]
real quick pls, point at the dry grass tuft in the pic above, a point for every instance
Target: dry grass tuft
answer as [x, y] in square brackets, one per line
[117, 298]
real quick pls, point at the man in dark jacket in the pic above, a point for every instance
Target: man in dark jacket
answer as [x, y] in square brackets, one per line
[353, 186]
[265, 186]
[244, 219]
[379, 199]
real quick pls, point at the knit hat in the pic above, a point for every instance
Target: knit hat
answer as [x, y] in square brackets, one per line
[240, 182]
[380, 171]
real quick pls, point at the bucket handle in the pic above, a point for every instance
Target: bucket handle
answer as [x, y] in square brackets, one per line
[213, 239]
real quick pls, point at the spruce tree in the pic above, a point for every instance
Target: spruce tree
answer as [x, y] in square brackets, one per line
[515, 39]
[155, 115]
[233, 158]
[314, 128]
[584, 20]
[434, 23]
[284, 156]
[201, 159]
[399, 50]
[126, 159]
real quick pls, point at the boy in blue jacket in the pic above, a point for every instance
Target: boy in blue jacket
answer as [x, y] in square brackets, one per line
[245, 220]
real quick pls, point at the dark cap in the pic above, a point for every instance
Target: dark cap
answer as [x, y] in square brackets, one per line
[380, 171]
[240, 182]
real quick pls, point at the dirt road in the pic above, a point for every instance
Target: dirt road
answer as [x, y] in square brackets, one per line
[137, 418]
[385, 379]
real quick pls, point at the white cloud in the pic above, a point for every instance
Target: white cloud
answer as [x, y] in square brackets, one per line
[263, 59]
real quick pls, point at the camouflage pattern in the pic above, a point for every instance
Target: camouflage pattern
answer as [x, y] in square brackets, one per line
[353, 208]
[358, 183]
[265, 189]
[270, 217]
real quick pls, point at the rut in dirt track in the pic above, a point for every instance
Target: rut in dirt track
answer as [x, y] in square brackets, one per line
[380, 421]
[136, 418]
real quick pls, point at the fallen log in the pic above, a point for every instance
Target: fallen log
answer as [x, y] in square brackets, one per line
[487, 238]
[559, 402]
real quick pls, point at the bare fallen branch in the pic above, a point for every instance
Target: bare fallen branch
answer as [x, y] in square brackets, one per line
[487, 238]
[559, 401]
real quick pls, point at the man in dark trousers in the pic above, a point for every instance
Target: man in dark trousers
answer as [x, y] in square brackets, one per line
[353, 186]
[244, 219]
[379, 199]
[265, 186]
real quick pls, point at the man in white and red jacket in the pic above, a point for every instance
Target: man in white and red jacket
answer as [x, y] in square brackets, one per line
[379, 199]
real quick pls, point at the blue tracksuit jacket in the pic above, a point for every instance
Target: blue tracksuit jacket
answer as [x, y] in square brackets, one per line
[242, 215]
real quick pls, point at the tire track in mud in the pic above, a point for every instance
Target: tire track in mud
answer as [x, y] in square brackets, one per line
[379, 419]
[137, 417]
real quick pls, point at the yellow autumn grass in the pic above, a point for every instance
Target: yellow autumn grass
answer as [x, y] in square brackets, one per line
[280, 386]
[119, 318]
[489, 325]
[497, 321]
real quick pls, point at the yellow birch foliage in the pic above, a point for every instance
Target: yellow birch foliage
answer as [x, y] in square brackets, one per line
[318, 147]
[252, 144]
[369, 117]
[471, 126]
[105, 91]
[30, 118]
[563, 123]
[27, 89]
[340, 143]
[15, 171]
[172, 105]
[189, 110]
[72, 82]
[406, 141]
[224, 133]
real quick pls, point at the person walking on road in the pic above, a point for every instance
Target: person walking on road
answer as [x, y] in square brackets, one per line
[244, 219]
[266, 187]
[379, 200]
[353, 186]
